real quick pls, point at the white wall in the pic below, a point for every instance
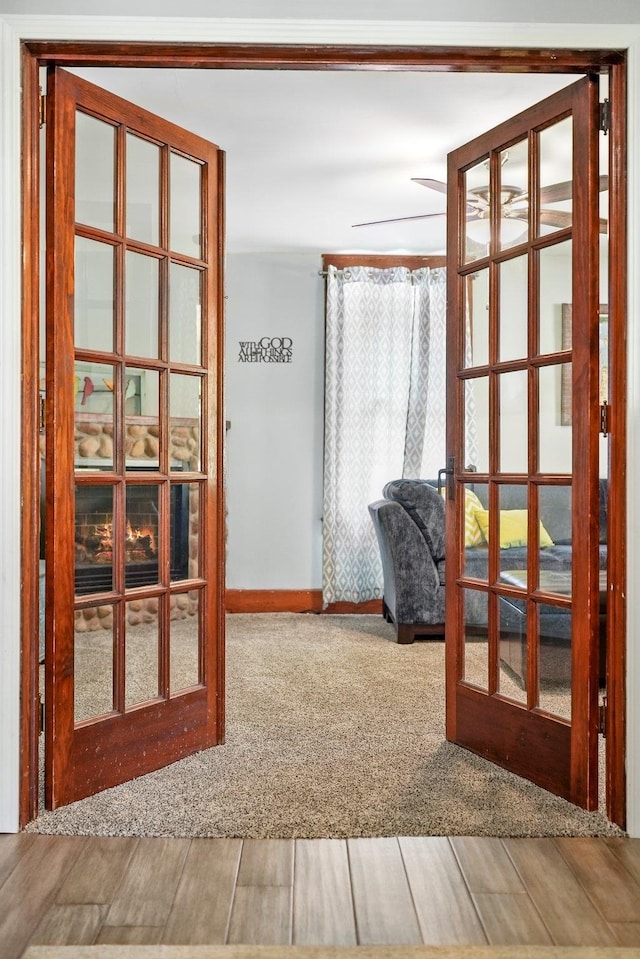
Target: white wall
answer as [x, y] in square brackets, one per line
[274, 445]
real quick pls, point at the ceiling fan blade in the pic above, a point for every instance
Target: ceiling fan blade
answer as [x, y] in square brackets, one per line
[399, 219]
[557, 218]
[432, 184]
[562, 220]
[563, 191]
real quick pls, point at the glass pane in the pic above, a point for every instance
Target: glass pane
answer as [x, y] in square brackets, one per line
[143, 190]
[554, 402]
[514, 527]
[95, 172]
[514, 288]
[93, 295]
[475, 544]
[184, 638]
[477, 331]
[476, 644]
[93, 415]
[184, 428]
[141, 652]
[556, 176]
[512, 624]
[555, 296]
[93, 662]
[184, 315]
[142, 535]
[94, 536]
[477, 234]
[513, 422]
[141, 406]
[554, 510]
[141, 307]
[476, 424]
[185, 530]
[514, 194]
[185, 216]
[554, 694]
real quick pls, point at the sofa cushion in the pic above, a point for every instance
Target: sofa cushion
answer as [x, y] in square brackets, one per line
[472, 530]
[555, 507]
[513, 528]
[426, 508]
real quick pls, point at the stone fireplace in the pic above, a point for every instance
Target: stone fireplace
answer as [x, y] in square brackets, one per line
[94, 519]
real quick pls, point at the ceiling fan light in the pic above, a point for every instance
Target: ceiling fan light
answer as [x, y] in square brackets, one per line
[510, 230]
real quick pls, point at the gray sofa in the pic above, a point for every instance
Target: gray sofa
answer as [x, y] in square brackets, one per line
[409, 524]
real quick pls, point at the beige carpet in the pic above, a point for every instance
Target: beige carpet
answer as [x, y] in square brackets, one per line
[333, 731]
[330, 952]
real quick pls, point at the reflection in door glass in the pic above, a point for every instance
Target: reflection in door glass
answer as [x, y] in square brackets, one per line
[476, 555]
[93, 385]
[185, 422]
[476, 424]
[476, 351]
[555, 418]
[184, 638]
[95, 172]
[514, 194]
[476, 642]
[185, 530]
[141, 406]
[93, 295]
[143, 190]
[477, 195]
[554, 510]
[93, 662]
[94, 536]
[514, 446]
[184, 315]
[185, 223]
[556, 177]
[141, 307]
[142, 535]
[555, 294]
[514, 290]
[513, 526]
[141, 651]
[513, 645]
[554, 694]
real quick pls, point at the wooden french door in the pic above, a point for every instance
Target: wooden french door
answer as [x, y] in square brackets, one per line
[523, 424]
[134, 551]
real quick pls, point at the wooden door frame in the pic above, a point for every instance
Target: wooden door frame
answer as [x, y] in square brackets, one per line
[258, 56]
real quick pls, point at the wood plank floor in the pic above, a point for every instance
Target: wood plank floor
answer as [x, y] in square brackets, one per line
[84, 890]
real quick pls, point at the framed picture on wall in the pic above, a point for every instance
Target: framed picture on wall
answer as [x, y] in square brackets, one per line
[566, 417]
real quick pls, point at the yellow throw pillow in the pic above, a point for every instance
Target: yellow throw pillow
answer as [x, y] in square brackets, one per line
[472, 533]
[513, 528]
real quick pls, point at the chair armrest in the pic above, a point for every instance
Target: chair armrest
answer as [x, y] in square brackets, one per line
[412, 589]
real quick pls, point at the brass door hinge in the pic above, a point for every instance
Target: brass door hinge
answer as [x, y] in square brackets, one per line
[604, 418]
[43, 109]
[605, 116]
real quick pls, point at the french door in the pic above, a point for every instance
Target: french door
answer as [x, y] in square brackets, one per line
[523, 424]
[134, 554]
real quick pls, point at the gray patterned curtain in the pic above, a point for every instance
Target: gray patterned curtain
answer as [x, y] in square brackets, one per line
[384, 408]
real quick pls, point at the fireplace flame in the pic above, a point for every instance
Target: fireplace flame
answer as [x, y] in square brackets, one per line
[94, 543]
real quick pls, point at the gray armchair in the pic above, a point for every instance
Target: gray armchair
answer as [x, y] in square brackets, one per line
[409, 524]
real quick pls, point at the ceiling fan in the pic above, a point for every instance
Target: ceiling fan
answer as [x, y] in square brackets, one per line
[514, 204]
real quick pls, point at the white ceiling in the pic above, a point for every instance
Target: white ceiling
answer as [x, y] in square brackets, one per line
[311, 153]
